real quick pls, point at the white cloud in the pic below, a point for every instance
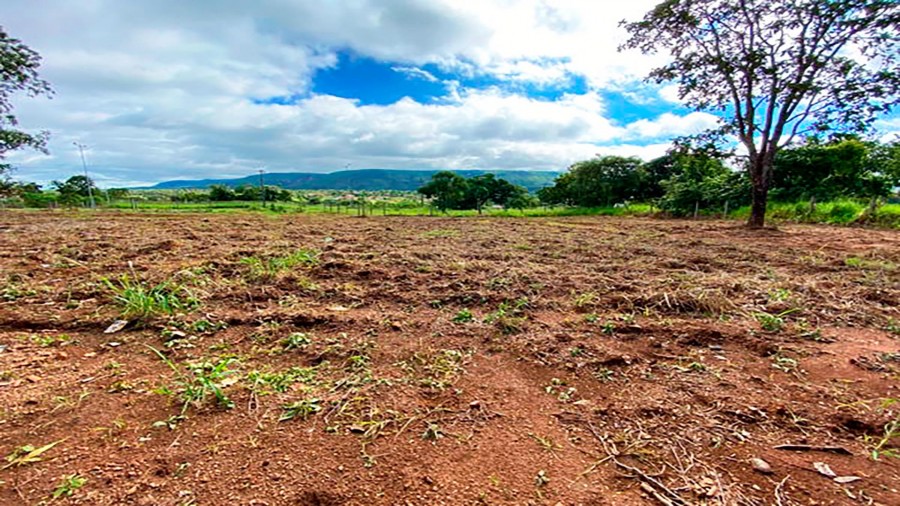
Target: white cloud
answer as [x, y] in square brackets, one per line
[416, 73]
[669, 125]
[166, 89]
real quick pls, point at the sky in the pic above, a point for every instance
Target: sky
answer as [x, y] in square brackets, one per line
[190, 89]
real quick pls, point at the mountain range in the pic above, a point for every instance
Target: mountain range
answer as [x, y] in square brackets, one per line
[361, 179]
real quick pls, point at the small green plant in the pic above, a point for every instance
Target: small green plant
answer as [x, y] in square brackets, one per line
[27, 454]
[13, 292]
[605, 375]
[69, 485]
[785, 364]
[893, 327]
[463, 316]
[206, 326]
[888, 443]
[772, 322]
[692, 367]
[296, 341]
[264, 268]
[585, 300]
[262, 383]
[432, 432]
[558, 388]
[780, 294]
[608, 328]
[137, 299]
[301, 409]
[48, 340]
[509, 316]
[200, 381]
[544, 442]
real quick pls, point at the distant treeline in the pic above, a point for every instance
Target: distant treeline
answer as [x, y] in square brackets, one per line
[687, 180]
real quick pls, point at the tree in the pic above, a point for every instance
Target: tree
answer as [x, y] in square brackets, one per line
[820, 171]
[117, 193]
[653, 173]
[18, 73]
[776, 69]
[74, 190]
[221, 193]
[560, 192]
[448, 189]
[700, 181]
[601, 181]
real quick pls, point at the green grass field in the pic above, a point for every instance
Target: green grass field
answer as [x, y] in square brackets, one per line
[839, 212]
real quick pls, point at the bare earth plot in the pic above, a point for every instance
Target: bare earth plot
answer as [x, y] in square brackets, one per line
[317, 360]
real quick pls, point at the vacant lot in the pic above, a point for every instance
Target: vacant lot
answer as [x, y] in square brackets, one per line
[336, 360]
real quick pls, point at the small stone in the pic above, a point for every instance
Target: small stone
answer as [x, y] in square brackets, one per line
[761, 466]
[116, 326]
[62, 355]
[846, 479]
[32, 378]
[476, 404]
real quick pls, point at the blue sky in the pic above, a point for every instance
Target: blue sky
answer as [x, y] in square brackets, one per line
[187, 90]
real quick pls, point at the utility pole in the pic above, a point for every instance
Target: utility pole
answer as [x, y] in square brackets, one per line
[87, 179]
[262, 188]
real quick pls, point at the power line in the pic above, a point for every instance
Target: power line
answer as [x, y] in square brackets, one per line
[87, 179]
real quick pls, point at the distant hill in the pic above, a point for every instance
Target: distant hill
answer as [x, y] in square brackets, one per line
[363, 179]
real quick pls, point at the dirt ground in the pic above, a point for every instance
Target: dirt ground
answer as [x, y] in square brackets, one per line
[326, 360]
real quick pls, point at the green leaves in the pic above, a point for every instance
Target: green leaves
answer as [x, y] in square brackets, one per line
[137, 299]
[28, 454]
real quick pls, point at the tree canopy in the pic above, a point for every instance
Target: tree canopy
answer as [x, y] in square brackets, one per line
[18, 73]
[452, 191]
[775, 71]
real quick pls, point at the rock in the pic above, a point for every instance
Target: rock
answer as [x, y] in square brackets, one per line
[846, 479]
[33, 378]
[761, 466]
[116, 326]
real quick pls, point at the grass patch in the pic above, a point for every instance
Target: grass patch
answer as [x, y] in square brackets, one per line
[266, 268]
[138, 299]
[199, 381]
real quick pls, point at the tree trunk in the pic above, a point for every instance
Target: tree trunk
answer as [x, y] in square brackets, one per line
[760, 176]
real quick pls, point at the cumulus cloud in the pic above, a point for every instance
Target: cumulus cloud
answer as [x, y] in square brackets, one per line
[177, 89]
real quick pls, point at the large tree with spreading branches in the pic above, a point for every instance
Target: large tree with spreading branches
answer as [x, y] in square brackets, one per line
[18, 73]
[776, 70]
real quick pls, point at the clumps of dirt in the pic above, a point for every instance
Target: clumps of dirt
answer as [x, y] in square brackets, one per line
[392, 360]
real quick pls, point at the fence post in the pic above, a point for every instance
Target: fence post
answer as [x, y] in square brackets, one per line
[725, 215]
[696, 209]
